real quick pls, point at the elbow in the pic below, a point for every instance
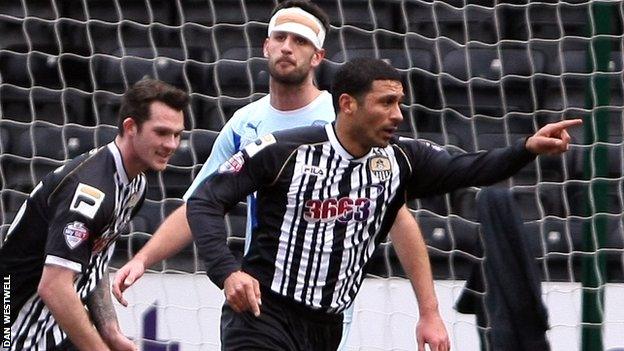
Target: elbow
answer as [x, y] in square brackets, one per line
[45, 290]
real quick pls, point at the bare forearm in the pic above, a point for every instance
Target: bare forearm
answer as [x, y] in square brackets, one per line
[418, 269]
[101, 308]
[170, 238]
[412, 252]
[61, 299]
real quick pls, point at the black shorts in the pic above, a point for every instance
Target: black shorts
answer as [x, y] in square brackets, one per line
[283, 325]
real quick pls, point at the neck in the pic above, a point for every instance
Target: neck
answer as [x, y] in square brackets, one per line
[291, 97]
[129, 158]
[348, 137]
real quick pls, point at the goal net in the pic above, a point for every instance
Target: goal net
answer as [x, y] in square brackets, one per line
[478, 75]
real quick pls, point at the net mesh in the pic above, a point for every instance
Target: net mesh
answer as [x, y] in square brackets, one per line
[478, 75]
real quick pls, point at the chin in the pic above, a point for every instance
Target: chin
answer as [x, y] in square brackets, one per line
[158, 167]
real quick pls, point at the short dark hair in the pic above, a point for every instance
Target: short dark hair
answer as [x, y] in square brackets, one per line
[307, 6]
[137, 100]
[356, 78]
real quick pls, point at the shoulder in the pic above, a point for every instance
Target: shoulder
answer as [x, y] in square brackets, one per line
[285, 141]
[302, 135]
[247, 112]
[86, 180]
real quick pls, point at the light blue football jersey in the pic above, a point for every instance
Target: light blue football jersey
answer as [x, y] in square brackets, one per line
[252, 122]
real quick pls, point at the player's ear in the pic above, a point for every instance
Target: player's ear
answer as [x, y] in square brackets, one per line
[318, 57]
[265, 51]
[347, 103]
[130, 127]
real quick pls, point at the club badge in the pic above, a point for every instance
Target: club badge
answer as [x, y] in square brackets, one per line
[381, 167]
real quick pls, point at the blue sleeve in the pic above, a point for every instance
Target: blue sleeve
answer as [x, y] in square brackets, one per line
[224, 147]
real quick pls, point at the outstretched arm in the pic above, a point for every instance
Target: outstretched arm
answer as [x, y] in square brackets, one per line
[104, 318]
[412, 252]
[171, 237]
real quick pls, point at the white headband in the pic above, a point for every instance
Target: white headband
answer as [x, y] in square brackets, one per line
[294, 23]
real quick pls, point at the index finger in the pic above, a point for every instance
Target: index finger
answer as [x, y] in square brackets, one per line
[564, 124]
[117, 291]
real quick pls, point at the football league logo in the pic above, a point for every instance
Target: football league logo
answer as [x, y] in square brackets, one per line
[381, 167]
[234, 164]
[75, 233]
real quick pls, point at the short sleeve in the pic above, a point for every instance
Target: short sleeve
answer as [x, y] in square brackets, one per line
[74, 210]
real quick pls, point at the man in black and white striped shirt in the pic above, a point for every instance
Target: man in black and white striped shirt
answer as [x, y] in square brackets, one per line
[57, 249]
[326, 198]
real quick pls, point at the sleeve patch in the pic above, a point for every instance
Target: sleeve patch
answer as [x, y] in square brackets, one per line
[75, 233]
[87, 200]
[258, 145]
[234, 164]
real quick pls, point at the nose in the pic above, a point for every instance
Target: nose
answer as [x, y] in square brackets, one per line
[171, 142]
[287, 44]
[396, 116]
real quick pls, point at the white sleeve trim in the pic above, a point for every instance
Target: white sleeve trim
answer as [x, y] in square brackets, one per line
[63, 262]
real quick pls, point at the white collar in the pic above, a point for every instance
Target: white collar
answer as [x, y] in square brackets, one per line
[121, 170]
[333, 139]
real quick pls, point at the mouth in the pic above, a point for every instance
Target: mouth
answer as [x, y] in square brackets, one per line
[164, 155]
[390, 130]
[285, 61]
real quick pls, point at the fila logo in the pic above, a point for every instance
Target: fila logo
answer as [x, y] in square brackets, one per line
[313, 171]
[87, 200]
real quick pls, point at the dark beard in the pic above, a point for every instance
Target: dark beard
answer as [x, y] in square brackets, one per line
[295, 78]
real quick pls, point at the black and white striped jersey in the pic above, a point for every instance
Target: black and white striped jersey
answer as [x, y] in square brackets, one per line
[71, 219]
[322, 213]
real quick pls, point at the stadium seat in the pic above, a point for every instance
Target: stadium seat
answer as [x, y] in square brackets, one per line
[46, 139]
[11, 133]
[183, 155]
[104, 134]
[78, 139]
[11, 202]
[104, 37]
[147, 219]
[435, 204]
[357, 13]
[13, 34]
[238, 43]
[201, 142]
[107, 106]
[116, 75]
[233, 79]
[197, 12]
[441, 19]
[156, 12]
[436, 231]
[16, 173]
[544, 21]
[14, 69]
[195, 39]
